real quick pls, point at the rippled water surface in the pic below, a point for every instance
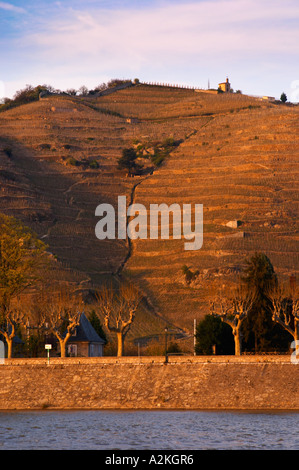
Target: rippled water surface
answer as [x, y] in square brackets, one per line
[154, 430]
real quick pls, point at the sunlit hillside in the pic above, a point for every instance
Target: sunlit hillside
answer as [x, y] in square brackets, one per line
[236, 155]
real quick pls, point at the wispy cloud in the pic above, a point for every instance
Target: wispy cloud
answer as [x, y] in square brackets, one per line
[174, 30]
[257, 40]
[9, 7]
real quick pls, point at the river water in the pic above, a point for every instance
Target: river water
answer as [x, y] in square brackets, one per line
[152, 430]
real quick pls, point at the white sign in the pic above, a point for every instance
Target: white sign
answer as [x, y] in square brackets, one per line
[48, 346]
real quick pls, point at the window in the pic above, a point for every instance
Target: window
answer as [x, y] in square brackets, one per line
[72, 350]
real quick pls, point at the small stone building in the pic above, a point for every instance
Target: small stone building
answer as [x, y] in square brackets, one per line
[85, 342]
[225, 86]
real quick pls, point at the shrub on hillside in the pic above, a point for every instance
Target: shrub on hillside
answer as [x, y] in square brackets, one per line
[128, 160]
[189, 275]
[72, 161]
[93, 165]
[8, 151]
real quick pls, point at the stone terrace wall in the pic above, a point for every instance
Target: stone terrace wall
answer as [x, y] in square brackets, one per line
[218, 382]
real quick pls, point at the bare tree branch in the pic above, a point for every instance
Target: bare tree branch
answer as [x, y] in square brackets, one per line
[285, 308]
[61, 313]
[233, 307]
[119, 310]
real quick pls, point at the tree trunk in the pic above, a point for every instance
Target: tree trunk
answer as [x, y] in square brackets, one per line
[62, 348]
[238, 341]
[119, 343]
[9, 347]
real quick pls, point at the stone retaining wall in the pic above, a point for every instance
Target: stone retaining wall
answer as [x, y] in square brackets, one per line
[202, 382]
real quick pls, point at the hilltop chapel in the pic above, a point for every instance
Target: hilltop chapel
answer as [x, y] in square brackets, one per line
[225, 86]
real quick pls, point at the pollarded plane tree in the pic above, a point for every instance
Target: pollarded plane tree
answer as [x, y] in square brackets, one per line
[232, 309]
[285, 309]
[61, 312]
[119, 311]
[14, 316]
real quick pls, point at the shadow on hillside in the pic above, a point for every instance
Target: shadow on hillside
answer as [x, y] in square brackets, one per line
[58, 203]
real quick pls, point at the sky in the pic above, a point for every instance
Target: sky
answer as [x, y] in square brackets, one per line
[70, 43]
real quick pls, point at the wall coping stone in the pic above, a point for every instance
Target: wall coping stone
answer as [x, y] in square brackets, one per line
[244, 359]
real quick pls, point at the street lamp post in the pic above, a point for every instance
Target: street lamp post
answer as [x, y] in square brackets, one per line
[166, 355]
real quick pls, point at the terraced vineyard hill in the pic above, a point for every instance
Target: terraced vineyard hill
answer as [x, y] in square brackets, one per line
[236, 155]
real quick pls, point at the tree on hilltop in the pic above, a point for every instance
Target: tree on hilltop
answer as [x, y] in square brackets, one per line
[30, 93]
[83, 91]
[117, 81]
[26, 95]
[71, 91]
[283, 97]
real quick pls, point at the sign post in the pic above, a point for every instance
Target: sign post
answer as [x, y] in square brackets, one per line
[48, 347]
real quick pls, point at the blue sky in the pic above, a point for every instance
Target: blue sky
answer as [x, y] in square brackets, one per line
[70, 43]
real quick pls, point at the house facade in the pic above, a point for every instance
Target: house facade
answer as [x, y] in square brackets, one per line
[85, 342]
